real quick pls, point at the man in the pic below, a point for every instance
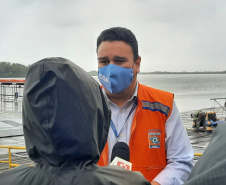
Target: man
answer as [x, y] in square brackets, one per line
[145, 118]
[66, 121]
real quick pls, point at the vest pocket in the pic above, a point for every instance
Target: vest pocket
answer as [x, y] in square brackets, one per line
[149, 172]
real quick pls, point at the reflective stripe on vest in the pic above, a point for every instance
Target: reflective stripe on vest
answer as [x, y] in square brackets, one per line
[156, 106]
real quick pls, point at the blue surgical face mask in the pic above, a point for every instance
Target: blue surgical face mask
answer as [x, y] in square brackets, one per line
[115, 78]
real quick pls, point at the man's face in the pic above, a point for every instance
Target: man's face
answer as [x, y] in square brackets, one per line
[118, 53]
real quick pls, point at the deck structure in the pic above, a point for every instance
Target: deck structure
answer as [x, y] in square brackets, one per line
[11, 89]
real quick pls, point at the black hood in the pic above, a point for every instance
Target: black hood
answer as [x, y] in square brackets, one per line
[65, 115]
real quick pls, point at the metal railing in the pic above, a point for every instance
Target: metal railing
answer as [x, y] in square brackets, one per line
[9, 161]
[197, 154]
[11, 164]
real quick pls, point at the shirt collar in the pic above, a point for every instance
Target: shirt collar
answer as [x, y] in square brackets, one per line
[135, 93]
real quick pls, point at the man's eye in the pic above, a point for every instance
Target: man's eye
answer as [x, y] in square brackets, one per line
[119, 61]
[104, 61]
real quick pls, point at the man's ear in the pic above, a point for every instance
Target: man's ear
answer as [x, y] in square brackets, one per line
[137, 64]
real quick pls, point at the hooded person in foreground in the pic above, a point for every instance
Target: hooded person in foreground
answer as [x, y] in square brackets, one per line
[211, 167]
[66, 121]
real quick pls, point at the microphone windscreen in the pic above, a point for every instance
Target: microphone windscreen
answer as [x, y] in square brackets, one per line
[120, 150]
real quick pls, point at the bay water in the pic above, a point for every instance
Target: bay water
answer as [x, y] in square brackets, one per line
[191, 91]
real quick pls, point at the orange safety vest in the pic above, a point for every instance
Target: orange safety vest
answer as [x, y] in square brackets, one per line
[147, 141]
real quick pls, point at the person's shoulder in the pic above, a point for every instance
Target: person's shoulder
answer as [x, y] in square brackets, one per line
[14, 176]
[152, 90]
[122, 176]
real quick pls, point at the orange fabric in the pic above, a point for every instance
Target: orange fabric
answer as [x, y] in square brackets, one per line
[148, 128]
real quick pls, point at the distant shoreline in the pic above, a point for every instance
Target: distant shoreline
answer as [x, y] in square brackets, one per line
[198, 72]
[95, 73]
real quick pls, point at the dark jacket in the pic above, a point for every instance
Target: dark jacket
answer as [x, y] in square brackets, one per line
[211, 167]
[66, 121]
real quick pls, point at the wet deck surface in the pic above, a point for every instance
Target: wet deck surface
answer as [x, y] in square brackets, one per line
[11, 134]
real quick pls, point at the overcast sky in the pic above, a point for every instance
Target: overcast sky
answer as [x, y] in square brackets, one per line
[173, 35]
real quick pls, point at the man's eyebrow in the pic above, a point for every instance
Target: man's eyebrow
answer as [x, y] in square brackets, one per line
[103, 58]
[119, 58]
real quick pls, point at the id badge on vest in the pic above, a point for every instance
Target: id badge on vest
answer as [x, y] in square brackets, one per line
[154, 138]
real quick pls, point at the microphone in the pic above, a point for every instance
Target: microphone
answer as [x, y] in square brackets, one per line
[120, 150]
[121, 156]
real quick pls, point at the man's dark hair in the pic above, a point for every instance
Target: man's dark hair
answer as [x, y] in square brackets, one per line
[120, 34]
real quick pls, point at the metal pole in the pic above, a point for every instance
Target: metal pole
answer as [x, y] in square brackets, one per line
[215, 99]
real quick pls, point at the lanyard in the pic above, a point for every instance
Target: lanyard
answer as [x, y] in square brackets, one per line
[113, 126]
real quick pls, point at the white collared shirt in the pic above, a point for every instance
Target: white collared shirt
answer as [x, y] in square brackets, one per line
[122, 122]
[178, 148]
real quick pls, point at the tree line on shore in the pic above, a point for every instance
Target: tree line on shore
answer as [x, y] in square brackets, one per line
[16, 70]
[13, 70]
